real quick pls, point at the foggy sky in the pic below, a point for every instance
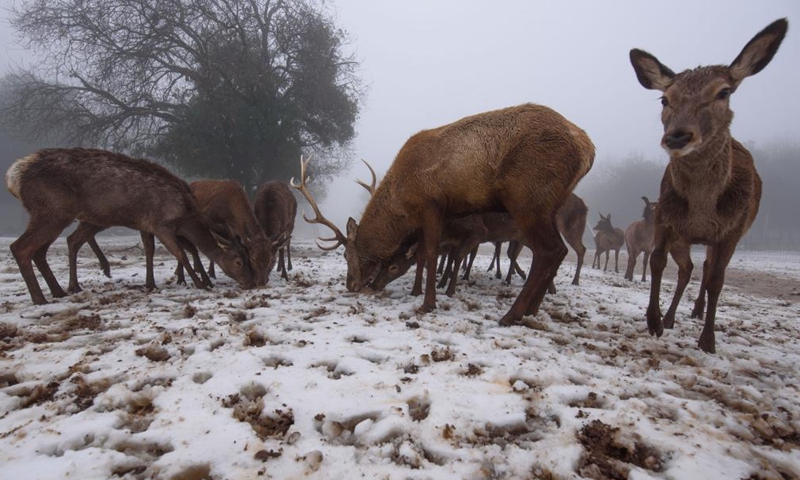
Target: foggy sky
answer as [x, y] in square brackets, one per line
[427, 63]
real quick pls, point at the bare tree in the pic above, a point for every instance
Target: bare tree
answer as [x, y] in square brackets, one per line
[222, 88]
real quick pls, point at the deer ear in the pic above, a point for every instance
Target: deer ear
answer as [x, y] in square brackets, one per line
[352, 227]
[646, 200]
[651, 73]
[759, 51]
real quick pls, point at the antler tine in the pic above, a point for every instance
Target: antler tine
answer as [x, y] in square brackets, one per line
[339, 238]
[369, 188]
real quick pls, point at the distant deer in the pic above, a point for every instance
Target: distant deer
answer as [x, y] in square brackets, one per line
[276, 208]
[639, 239]
[710, 191]
[607, 238]
[57, 186]
[525, 160]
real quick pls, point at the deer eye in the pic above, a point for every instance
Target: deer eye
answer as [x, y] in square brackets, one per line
[724, 94]
[664, 101]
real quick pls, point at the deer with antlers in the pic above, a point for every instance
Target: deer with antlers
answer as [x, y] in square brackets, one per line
[525, 160]
[607, 238]
[639, 239]
[710, 192]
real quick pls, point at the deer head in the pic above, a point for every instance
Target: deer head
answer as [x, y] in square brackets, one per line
[361, 269]
[604, 224]
[696, 103]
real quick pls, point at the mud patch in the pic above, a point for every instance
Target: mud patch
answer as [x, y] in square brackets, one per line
[609, 454]
[248, 407]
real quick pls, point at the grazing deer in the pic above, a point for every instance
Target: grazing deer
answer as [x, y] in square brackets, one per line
[607, 238]
[525, 160]
[226, 208]
[710, 191]
[639, 239]
[57, 186]
[276, 208]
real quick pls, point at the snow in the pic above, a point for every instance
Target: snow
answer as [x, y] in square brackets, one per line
[302, 379]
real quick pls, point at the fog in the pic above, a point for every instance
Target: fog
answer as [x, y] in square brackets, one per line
[427, 63]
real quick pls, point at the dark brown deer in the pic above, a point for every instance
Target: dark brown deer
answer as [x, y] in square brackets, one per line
[276, 208]
[57, 186]
[525, 160]
[710, 191]
[226, 208]
[639, 239]
[607, 238]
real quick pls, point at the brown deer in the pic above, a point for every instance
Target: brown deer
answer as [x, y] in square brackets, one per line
[57, 186]
[710, 191]
[226, 208]
[227, 211]
[525, 160]
[276, 208]
[607, 238]
[639, 239]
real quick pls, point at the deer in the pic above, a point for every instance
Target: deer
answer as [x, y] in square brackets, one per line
[276, 208]
[607, 238]
[639, 239]
[225, 207]
[710, 192]
[525, 160]
[59, 185]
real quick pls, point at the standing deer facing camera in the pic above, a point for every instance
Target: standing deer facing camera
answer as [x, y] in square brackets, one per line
[710, 191]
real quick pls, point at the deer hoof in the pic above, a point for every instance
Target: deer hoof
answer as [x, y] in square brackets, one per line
[426, 308]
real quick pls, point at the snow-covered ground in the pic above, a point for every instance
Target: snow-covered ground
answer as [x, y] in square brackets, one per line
[302, 379]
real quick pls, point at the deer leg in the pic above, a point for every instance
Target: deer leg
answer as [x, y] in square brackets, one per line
[416, 290]
[644, 265]
[459, 256]
[288, 257]
[197, 262]
[607, 255]
[447, 271]
[700, 301]
[681, 255]
[39, 232]
[85, 232]
[513, 259]
[575, 242]
[632, 254]
[616, 260]
[472, 256]
[40, 260]
[658, 260]
[548, 251]
[171, 242]
[720, 257]
[431, 235]
[149, 245]
[442, 260]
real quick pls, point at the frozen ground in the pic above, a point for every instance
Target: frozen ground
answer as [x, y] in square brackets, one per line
[304, 380]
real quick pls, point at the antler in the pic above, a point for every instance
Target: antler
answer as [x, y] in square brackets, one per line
[338, 237]
[370, 188]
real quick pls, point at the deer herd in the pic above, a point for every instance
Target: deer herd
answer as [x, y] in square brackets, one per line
[501, 176]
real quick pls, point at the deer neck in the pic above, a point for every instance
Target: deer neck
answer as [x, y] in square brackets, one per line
[383, 228]
[706, 172]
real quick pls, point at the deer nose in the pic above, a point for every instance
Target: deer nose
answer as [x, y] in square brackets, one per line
[677, 139]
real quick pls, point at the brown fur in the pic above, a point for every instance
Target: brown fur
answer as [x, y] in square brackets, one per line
[607, 238]
[108, 189]
[710, 191]
[525, 160]
[226, 208]
[639, 239]
[276, 208]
